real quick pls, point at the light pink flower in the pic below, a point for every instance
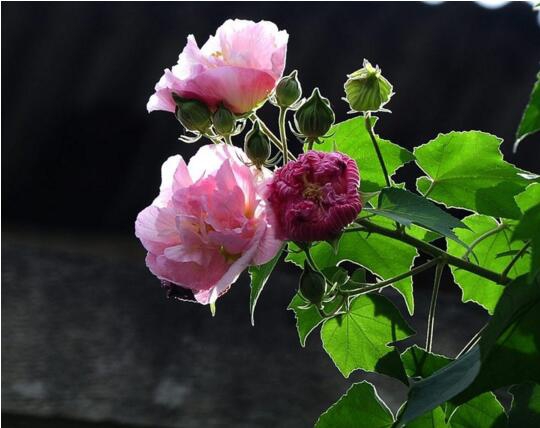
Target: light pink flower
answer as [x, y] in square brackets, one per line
[239, 66]
[208, 223]
[315, 197]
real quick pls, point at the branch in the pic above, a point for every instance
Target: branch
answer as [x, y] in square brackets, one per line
[430, 249]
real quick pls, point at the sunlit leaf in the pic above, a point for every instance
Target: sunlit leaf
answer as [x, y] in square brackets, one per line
[359, 338]
[407, 208]
[307, 317]
[351, 137]
[466, 170]
[488, 238]
[259, 275]
[360, 407]
[530, 121]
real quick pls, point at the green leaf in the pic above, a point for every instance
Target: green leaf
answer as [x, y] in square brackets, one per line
[528, 198]
[351, 137]
[360, 407]
[466, 170]
[444, 384]
[530, 121]
[407, 208]
[307, 319]
[508, 353]
[510, 345]
[484, 253]
[259, 275]
[525, 410]
[483, 411]
[359, 338]
[528, 229]
[434, 419]
[383, 256]
[419, 363]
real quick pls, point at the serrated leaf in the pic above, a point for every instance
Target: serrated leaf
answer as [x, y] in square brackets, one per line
[360, 407]
[419, 363]
[359, 338]
[528, 229]
[466, 170]
[307, 319]
[383, 256]
[530, 121]
[510, 341]
[474, 288]
[483, 411]
[440, 387]
[433, 419]
[351, 137]
[259, 275]
[508, 353]
[525, 410]
[529, 197]
[407, 208]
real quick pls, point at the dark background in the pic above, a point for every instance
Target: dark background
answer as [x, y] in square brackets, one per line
[81, 158]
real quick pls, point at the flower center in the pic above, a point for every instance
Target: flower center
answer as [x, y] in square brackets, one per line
[311, 190]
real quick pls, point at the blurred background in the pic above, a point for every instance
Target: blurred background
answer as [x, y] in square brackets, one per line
[88, 337]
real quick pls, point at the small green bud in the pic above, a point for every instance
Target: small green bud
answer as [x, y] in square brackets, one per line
[367, 90]
[192, 114]
[257, 145]
[288, 90]
[312, 285]
[223, 120]
[315, 117]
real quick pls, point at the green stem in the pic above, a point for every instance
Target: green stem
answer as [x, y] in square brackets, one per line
[489, 233]
[365, 287]
[283, 134]
[474, 340]
[433, 306]
[520, 253]
[369, 129]
[429, 249]
[275, 140]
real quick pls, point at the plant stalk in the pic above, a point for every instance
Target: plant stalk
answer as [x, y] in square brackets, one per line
[283, 134]
[429, 249]
[433, 306]
[369, 129]
[367, 287]
[520, 253]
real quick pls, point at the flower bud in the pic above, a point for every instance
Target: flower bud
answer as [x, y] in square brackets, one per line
[288, 90]
[223, 120]
[312, 285]
[192, 114]
[367, 90]
[315, 117]
[257, 145]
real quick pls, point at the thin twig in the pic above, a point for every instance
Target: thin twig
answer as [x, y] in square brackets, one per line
[433, 306]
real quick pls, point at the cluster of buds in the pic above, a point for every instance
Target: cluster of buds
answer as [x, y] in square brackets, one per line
[196, 118]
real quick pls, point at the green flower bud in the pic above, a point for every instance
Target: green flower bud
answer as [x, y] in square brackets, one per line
[192, 114]
[223, 120]
[288, 90]
[367, 90]
[312, 285]
[315, 117]
[257, 145]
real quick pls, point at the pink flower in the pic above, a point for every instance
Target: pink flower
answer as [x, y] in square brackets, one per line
[315, 197]
[208, 223]
[239, 66]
